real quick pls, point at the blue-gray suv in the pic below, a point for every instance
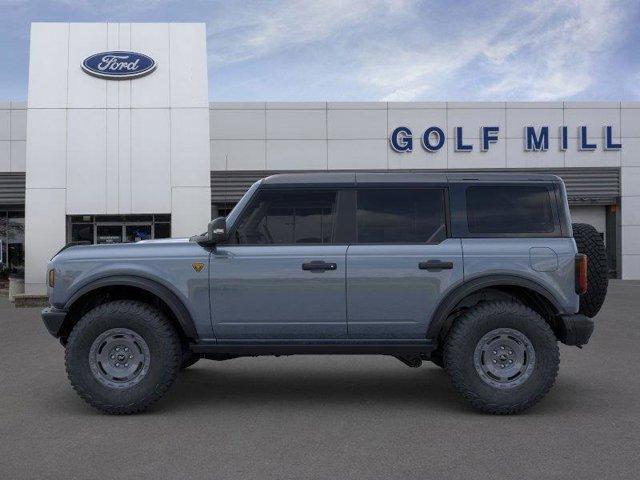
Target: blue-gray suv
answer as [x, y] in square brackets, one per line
[482, 274]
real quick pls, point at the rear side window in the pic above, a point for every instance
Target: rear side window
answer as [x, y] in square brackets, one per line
[281, 217]
[509, 209]
[401, 216]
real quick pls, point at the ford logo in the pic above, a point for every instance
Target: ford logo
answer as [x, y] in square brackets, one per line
[118, 65]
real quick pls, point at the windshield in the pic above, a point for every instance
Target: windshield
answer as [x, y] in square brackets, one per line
[233, 214]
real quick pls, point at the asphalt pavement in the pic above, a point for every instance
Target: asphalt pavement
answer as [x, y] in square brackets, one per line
[324, 417]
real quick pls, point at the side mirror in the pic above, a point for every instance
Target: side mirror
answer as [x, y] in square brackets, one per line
[217, 230]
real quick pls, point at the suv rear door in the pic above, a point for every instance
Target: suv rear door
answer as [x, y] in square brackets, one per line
[401, 262]
[281, 275]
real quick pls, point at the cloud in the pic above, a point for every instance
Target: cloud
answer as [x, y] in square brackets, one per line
[409, 50]
[541, 51]
[263, 28]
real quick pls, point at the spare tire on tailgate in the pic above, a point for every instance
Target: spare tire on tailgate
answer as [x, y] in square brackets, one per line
[590, 243]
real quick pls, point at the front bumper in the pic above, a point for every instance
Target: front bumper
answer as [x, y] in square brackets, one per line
[575, 329]
[53, 319]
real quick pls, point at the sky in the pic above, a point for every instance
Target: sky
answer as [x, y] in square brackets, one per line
[377, 50]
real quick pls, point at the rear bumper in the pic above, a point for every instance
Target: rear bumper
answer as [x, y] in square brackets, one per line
[53, 320]
[575, 329]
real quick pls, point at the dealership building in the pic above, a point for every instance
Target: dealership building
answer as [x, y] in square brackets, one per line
[117, 141]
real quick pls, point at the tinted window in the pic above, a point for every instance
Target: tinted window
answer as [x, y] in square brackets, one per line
[287, 217]
[509, 209]
[401, 216]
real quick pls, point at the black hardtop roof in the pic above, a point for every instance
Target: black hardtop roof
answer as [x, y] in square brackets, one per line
[367, 178]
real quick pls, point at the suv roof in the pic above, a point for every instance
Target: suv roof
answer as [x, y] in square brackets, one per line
[359, 178]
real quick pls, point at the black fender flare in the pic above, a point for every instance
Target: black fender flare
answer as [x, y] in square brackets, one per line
[176, 305]
[460, 292]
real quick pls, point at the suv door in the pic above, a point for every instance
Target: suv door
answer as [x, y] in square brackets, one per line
[281, 276]
[401, 263]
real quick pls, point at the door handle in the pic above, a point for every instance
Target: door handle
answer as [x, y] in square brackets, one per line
[319, 266]
[435, 265]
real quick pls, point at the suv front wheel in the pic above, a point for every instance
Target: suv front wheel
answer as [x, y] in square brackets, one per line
[502, 357]
[122, 356]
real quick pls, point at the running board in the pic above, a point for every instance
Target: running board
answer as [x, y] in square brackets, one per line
[314, 348]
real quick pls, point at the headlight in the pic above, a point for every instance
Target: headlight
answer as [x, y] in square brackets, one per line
[52, 277]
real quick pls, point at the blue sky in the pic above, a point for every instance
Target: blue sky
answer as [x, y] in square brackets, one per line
[378, 49]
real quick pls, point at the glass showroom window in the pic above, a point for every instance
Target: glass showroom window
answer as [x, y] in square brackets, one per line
[100, 229]
[12, 240]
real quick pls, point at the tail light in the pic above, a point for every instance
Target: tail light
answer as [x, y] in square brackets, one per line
[581, 273]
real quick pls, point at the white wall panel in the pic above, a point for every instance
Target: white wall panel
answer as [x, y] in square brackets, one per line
[86, 91]
[517, 157]
[186, 218]
[48, 62]
[5, 156]
[472, 119]
[190, 158]
[296, 124]
[418, 158]
[630, 180]
[150, 161]
[18, 124]
[188, 72]
[495, 157]
[296, 155]
[519, 118]
[574, 157]
[418, 120]
[357, 154]
[111, 161]
[44, 234]
[238, 155]
[631, 239]
[86, 161]
[152, 91]
[630, 153]
[5, 124]
[630, 211]
[124, 161]
[356, 124]
[630, 120]
[113, 43]
[592, 118]
[124, 86]
[18, 156]
[238, 124]
[47, 148]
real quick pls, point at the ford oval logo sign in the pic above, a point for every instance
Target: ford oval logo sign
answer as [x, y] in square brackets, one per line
[118, 65]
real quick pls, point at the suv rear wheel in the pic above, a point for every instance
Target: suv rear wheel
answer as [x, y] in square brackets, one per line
[122, 356]
[502, 357]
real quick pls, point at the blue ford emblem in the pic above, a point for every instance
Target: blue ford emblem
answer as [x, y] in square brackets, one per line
[118, 65]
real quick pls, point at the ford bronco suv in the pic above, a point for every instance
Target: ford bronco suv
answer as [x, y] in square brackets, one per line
[482, 274]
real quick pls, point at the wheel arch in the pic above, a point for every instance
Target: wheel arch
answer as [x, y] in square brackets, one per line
[532, 292]
[133, 287]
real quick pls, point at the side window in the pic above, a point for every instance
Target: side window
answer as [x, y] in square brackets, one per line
[389, 215]
[280, 217]
[509, 209]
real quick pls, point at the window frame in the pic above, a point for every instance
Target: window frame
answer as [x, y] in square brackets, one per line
[231, 241]
[460, 222]
[444, 191]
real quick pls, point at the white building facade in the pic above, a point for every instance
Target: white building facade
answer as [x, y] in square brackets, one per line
[108, 160]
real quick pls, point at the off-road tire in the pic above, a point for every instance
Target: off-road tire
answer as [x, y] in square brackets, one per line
[164, 356]
[590, 243]
[467, 332]
[436, 358]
